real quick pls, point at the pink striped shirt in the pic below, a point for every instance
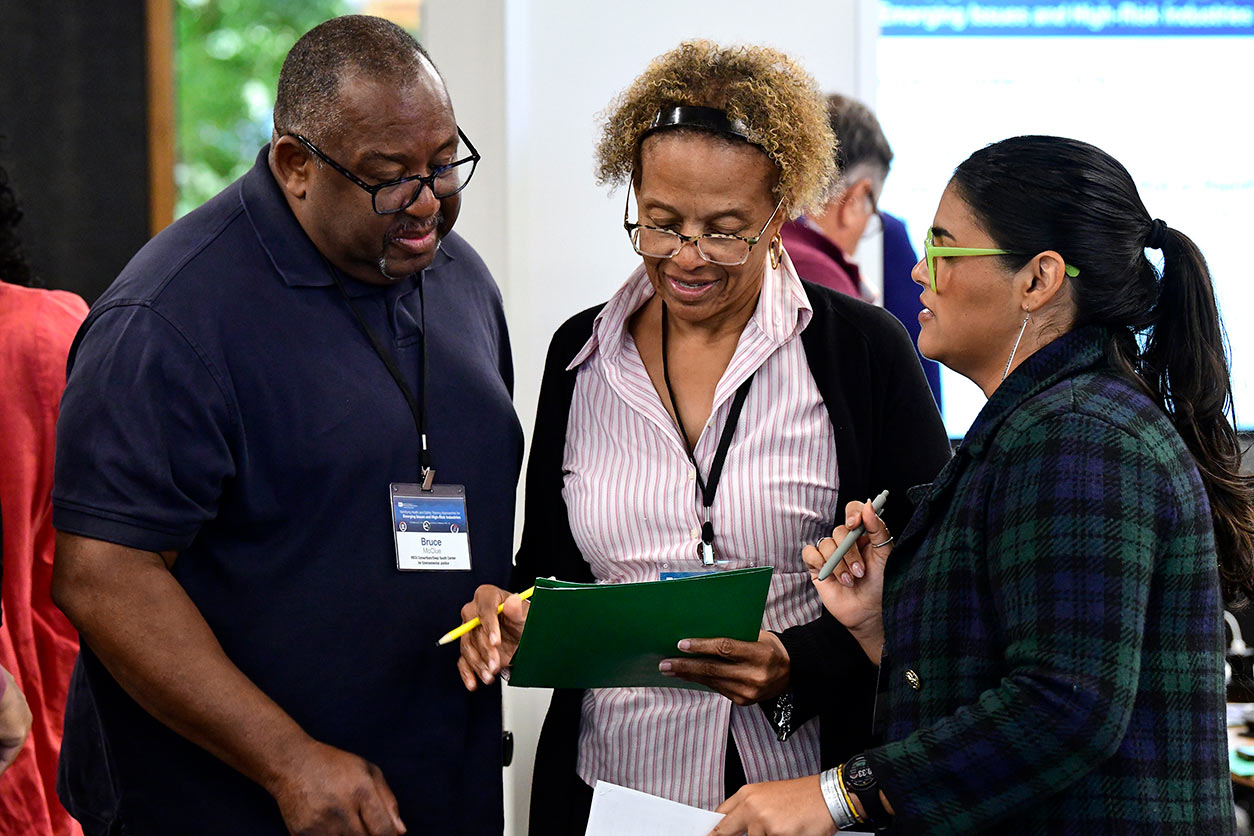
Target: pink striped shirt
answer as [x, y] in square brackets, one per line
[635, 512]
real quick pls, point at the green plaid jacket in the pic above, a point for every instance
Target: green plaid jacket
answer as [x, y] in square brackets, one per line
[1053, 619]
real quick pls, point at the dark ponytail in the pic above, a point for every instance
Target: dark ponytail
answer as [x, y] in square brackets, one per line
[1036, 193]
[13, 266]
[1186, 367]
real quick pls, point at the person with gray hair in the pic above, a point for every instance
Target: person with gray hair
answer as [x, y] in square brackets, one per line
[255, 415]
[823, 244]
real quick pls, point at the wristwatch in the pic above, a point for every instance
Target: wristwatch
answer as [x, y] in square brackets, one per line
[860, 781]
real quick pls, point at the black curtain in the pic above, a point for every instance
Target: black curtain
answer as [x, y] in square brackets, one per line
[72, 114]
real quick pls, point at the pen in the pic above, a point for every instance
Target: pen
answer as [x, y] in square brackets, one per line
[457, 632]
[877, 505]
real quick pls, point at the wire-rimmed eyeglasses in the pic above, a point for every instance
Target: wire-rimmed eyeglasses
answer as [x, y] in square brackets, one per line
[721, 248]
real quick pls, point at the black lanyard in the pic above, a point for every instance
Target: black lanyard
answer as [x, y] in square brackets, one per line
[417, 408]
[709, 486]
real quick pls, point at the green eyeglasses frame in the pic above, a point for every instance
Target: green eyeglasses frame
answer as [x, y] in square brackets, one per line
[931, 252]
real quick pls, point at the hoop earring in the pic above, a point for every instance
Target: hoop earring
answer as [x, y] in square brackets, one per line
[1010, 359]
[776, 249]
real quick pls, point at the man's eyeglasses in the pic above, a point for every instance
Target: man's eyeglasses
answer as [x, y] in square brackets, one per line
[398, 195]
[931, 252]
[874, 222]
[874, 226]
[721, 248]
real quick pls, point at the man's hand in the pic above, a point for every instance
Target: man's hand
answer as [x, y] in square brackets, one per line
[490, 646]
[15, 719]
[744, 672]
[330, 792]
[140, 621]
[776, 808]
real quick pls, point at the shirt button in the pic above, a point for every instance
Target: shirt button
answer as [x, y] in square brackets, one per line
[696, 534]
[666, 566]
[692, 475]
[913, 679]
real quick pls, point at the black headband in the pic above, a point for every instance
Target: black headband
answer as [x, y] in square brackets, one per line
[702, 118]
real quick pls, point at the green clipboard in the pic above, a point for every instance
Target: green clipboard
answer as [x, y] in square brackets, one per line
[614, 635]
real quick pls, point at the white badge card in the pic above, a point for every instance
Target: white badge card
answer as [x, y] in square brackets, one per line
[431, 529]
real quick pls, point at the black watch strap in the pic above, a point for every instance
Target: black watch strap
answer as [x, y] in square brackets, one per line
[860, 782]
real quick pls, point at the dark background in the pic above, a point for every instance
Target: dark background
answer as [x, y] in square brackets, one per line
[72, 117]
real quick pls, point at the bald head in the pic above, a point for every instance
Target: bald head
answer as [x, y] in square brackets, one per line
[311, 83]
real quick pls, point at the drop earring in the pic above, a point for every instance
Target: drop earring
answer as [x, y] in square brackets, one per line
[1011, 358]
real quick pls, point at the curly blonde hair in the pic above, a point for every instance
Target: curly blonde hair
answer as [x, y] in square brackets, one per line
[778, 101]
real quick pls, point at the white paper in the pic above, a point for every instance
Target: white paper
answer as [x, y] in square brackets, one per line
[619, 811]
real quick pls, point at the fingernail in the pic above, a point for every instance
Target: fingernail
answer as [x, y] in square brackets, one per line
[857, 570]
[664, 665]
[845, 579]
[485, 676]
[496, 638]
[684, 644]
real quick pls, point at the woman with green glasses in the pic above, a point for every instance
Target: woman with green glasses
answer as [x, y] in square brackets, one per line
[1048, 627]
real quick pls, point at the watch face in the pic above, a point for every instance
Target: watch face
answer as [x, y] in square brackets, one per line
[858, 774]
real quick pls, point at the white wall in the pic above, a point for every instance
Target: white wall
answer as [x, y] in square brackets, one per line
[528, 78]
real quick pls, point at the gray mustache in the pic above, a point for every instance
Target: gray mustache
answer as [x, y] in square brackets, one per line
[411, 229]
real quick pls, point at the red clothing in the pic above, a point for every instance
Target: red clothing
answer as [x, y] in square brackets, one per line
[37, 642]
[819, 260]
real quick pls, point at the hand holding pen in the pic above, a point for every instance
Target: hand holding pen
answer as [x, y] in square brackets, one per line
[853, 588]
[488, 648]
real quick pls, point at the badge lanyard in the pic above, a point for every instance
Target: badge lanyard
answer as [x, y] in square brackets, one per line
[416, 407]
[707, 487]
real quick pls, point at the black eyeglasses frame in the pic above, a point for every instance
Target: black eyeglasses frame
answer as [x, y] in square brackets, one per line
[426, 179]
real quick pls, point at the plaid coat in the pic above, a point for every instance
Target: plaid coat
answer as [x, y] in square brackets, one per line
[1053, 619]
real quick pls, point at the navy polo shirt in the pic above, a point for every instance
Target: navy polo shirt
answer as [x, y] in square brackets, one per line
[223, 402]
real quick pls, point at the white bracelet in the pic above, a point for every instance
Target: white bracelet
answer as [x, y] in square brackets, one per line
[835, 800]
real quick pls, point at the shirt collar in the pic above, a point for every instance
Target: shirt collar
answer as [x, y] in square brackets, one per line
[1077, 350]
[783, 310]
[290, 250]
[809, 231]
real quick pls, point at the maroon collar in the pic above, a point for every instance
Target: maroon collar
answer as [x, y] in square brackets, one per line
[803, 230]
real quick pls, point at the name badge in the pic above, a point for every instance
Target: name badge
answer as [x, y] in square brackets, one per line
[431, 530]
[672, 576]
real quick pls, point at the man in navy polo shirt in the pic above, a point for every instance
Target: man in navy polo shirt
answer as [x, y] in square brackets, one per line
[240, 402]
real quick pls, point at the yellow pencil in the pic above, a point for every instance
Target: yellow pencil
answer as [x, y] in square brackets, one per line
[457, 633]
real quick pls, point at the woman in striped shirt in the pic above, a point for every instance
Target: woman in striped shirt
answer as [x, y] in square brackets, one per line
[699, 421]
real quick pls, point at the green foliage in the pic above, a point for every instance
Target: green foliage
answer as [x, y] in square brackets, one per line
[227, 59]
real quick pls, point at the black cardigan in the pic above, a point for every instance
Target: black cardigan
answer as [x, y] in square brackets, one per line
[888, 436]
